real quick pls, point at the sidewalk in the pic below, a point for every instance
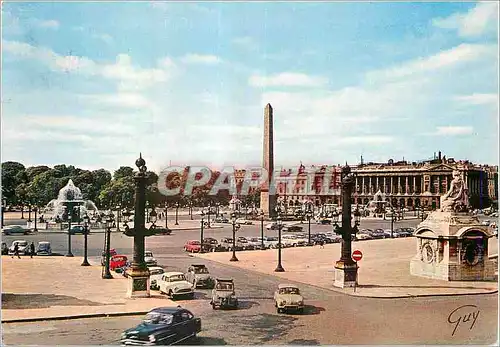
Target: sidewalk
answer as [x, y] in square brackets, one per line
[31, 290]
[384, 271]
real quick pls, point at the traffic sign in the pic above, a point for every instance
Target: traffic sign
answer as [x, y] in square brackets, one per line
[357, 255]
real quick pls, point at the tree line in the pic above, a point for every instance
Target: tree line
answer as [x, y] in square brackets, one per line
[38, 185]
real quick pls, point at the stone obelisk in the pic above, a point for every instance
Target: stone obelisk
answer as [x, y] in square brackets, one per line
[267, 201]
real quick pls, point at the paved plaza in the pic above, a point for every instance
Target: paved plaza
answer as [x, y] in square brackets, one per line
[383, 272]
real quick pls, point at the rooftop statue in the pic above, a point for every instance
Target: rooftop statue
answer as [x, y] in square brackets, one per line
[455, 200]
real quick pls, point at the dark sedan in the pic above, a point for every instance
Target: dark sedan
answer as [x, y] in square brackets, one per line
[163, 326]
[77, 229]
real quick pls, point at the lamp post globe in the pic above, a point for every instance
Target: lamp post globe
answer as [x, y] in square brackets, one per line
[233, 222]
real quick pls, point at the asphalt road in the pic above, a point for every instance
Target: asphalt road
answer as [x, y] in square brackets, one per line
[329, 318]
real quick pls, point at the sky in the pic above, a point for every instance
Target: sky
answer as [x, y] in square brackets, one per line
[94, 84]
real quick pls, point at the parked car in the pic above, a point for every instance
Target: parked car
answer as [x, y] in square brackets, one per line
[255, 242]
[77, 229]
[223, 294]
[272, 226]
[5, 249]
[287, 297]
[112, 252]
[174, 284]
[363, 235]
[22, 247]
[117, 261]
[221, 220]
[15, 229]
[192, 246]
[155, 273]
[163, 326]
[404, 232]
[162, 231]
[150, 259]
[377, 234]
[270, 242]
[243, 221]
[324, 221]
[227, 244]
[292, 228]
[199, 276]
[44, 248]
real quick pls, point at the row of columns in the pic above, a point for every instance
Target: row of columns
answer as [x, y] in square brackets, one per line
[406, 185]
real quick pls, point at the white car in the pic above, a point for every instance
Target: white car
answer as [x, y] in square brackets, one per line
[255, 242]
[243, 221]
[155, 273]
[270, 242]
[22, 246]
[272, 226]
[150, 259]
[174, 284]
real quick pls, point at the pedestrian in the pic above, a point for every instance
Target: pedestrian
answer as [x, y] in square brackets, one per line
[32, 249]
[322, 244]
[16, 251]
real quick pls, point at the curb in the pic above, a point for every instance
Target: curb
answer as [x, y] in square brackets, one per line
[78, 316]
[340, 291]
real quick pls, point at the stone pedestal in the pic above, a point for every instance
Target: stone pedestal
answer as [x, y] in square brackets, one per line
[139, 284]
[453, 246]
[346, 274]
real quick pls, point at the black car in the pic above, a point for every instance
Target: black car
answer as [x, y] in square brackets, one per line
[5, 248]
[77, 229]
[163, 326]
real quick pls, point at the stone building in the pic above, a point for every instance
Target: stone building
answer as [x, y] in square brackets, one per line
[405, 184]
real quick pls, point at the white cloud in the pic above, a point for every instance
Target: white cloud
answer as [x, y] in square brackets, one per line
[453, 57]
[127, 76]
[246, 42]
[103, 37]
[453, 130]
[371, 139]
[481, 19]
[50, 24]
[287, 79]
[200, 59]
[478, 99]
[126, 100]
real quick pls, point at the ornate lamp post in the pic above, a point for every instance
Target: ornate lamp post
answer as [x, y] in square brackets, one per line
[110, 218]
[202, 221]
[262, 230]
[4, 206]
[393, 219]
[208, 213]
[279, 268]
[190, 204]
[139, 273]
[166, 216]
[309, 213]
[217, 204]
[86, 225]
[235, 227]
[118, 209]
[346, 269]
[176, 213]
[35, 209]
[69, 207]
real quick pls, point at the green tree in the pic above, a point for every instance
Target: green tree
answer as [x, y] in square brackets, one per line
[123, 171]
[34, 171]
[10, 180]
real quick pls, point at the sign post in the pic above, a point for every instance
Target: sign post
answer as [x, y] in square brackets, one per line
[356, 256]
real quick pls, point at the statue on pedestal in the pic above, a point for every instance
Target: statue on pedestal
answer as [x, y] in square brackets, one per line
[455, 200]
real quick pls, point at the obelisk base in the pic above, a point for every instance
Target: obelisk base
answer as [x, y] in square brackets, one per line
[345, 274]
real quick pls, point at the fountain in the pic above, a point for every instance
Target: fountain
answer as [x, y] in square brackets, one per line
[69, 195]
[378, 204]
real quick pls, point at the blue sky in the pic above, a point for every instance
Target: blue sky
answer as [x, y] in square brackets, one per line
[94, 84]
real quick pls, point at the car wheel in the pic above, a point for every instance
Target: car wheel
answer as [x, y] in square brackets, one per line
[213, 306]
[278, 310]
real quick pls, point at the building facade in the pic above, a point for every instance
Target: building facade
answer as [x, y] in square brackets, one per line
[404, 184]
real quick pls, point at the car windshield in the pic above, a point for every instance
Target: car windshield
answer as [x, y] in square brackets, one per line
[158, 318]
[22, 243]
[289, 290]
[43, 245]
[254, 239]
[224, 286]
[200, 270]
[156, 272]
[148, 254]
[176, 278]
[194, 242]
[272, 239]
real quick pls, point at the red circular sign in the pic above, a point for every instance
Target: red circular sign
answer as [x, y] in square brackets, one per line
[357, 255]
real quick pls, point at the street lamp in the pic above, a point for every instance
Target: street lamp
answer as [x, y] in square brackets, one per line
[176, 213]
[346, 268]
[35, 209]
[208, 213]
[110, 218]
[309, 213]
[279, 268]
[69, 207]
[217, 204]
[235, 227]
[202, 221]
[118, 209]
[86, 225]
[29, 213]
[166, 216]
[190, 204]
[4, 206]
[262, 229]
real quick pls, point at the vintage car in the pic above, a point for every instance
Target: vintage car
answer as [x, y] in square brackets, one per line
[292, 228]
[288, 297]
[15, 229]
[5, 249]
[163, 326]
[155, 273]
[192, 246]
[198, 275]
[117, 261]
[150, 259]
[174, 284]
[43, 248]
[22, 247]
[78, 229]
[223, 294]
[112, 252]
